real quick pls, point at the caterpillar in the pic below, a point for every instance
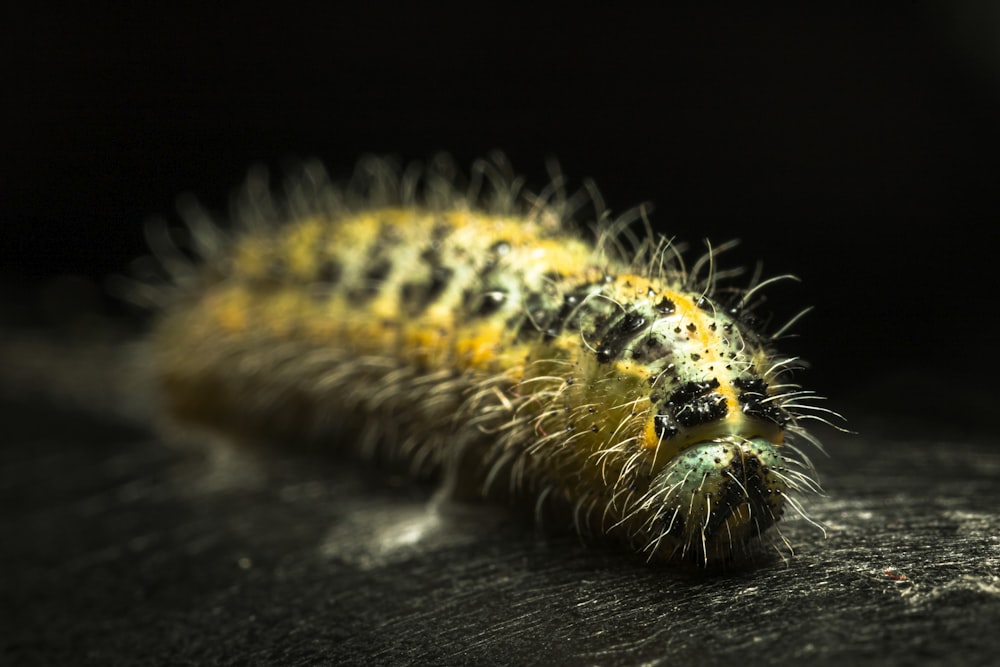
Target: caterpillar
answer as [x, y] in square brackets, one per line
[468, 330]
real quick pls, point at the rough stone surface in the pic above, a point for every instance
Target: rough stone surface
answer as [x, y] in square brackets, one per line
[121, 549]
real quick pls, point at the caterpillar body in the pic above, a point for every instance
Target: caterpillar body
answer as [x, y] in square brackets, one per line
[473, 333]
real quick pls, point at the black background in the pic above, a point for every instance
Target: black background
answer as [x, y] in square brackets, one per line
[853, 144]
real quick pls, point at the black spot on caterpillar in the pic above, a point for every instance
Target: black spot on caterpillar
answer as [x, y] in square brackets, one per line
[471, 332]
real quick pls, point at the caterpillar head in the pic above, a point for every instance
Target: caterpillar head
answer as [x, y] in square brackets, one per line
[716, 497]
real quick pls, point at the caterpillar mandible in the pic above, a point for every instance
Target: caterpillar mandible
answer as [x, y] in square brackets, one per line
[470, 331]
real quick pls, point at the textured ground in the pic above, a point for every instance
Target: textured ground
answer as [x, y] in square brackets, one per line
[121, 549]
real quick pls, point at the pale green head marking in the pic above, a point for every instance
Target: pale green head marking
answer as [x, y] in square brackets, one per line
[716, 496]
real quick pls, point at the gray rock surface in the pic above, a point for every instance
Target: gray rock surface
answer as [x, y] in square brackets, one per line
[122, 549]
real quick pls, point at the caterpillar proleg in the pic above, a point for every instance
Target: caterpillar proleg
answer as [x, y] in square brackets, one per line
[467, 328]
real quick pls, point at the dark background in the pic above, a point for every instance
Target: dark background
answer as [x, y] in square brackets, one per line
[853, 144]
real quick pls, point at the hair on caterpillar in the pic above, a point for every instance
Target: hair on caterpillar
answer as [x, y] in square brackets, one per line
[463, 325]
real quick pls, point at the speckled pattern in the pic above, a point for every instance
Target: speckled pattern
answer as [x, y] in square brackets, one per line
[498, 343]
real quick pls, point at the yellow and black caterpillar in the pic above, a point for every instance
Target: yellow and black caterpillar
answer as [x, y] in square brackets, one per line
[472, 332]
